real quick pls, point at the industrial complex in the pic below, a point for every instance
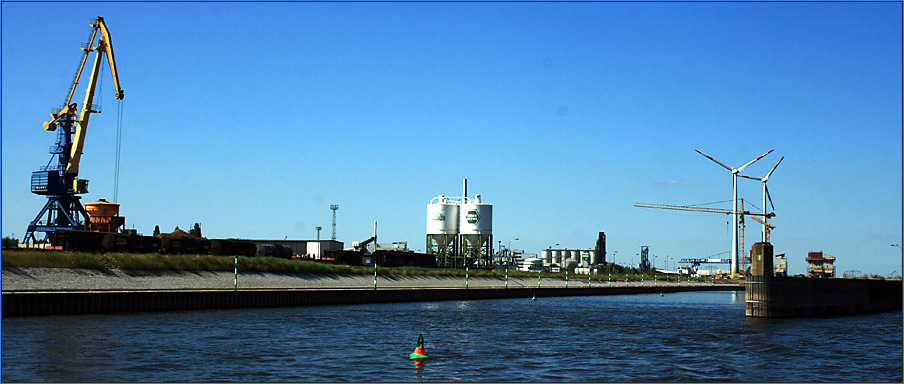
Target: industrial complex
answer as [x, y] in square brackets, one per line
[459, 229]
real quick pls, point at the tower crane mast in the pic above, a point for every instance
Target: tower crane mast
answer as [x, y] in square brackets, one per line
[59, 181]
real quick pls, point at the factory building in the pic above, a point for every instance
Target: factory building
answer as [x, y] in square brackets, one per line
[819, 265]
[395, 246]
[305, 248]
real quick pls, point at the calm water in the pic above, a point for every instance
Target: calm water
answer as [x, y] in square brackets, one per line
[699, 336]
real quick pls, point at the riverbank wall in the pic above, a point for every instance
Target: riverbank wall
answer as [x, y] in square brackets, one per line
[72, 303]
[62, 291]
[768, 296]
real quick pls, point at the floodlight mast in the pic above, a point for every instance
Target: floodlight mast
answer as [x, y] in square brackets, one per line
[334, 207]
[734, 183]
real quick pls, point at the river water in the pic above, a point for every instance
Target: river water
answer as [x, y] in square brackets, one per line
[693, 336]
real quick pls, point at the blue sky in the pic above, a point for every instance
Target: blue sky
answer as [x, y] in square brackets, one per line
[252, 119]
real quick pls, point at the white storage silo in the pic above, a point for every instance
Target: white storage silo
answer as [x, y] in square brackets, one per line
[442, 217]
[476, 228]
[594, 260]
[442, 226]
[556, 257]
[545, 256]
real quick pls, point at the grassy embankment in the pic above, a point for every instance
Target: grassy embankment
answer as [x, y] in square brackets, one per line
[160, 262]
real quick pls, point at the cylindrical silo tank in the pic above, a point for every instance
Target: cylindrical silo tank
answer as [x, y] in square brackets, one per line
[476, 219]
[556, 257]
[576, 254]
[544, 255]
[475, 223]
[442, 219]
[594, 260]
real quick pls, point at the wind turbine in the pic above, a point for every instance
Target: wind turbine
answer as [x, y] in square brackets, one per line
[734, 183]
[766, 195]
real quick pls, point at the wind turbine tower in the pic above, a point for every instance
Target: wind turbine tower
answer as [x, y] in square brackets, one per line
[335, 208]
[765, 196]
[734, 183]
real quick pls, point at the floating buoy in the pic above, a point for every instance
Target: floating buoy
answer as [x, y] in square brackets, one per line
[535, 297]
[419, 352]
[660, 294]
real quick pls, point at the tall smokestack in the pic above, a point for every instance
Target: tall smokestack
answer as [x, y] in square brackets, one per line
[464, 191]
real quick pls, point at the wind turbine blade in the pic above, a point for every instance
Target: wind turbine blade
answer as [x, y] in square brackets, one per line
[751, 177]
[769, 196]
[754, 160]
[773, 169]
[717, 161]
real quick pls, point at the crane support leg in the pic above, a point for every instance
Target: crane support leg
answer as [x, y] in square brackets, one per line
[59, 213]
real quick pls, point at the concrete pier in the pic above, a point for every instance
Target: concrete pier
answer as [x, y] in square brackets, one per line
[769, 296]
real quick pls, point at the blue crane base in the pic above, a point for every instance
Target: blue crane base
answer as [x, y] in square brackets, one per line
[62, 212]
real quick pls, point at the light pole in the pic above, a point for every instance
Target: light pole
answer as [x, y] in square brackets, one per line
[318, 228]
[613, 256]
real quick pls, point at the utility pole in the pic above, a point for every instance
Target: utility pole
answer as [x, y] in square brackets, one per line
[335, 208]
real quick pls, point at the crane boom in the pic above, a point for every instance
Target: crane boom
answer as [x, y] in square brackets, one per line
[105, 45]
[700, 209]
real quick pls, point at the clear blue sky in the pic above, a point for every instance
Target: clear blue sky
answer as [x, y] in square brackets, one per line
[252, 119]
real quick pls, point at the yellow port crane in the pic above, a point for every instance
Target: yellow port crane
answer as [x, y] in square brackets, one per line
[105, 45]
[58, 180]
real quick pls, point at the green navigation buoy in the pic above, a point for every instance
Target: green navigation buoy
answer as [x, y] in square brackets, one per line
[660, 294]
[419, 352]
[535, 297]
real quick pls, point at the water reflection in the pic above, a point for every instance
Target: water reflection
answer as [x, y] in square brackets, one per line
[418, 369]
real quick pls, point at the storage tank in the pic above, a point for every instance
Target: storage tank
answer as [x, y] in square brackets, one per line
[544, 255]
[475, 226]
[476, 218]
[594, 259]
[475, 222]
[442, 222]
[556, 257]
[442, 217]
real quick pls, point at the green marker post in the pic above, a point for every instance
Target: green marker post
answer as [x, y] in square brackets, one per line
[235, 287]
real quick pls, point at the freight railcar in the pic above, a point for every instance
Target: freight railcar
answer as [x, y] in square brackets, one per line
[91, 241]
[131, 242]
